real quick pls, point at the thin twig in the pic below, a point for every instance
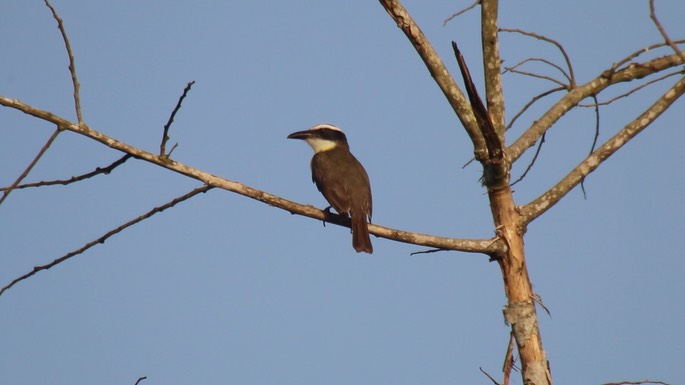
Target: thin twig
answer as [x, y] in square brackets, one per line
[107, 235]
[531, 102]
[100, 170]
[594, 142]
[545, 61]
[639, 52]
[571, 75]
[652, 15]
[630, 92]
[636, 382]
[72, 62]
[165, 134]
[508, 364]
[444, 23]
[26, 172]
[532, 162]
[141, 379]
[489, 376]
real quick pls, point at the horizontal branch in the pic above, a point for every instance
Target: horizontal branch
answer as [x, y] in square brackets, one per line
[486, 246]
[576, 94]
[543, 203]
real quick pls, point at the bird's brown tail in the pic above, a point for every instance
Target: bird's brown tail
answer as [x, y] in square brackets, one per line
[360, 234]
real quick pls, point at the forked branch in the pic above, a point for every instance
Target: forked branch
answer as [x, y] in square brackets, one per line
[541, 204]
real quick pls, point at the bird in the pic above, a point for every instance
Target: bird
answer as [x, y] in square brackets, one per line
[341, 179]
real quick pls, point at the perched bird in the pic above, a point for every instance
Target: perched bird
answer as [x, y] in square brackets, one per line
[341, 179]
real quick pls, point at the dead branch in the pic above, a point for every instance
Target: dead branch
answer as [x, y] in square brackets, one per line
[639, 52]
[28, 169]
[636, 382]
[489, 376]
[578, 93]
[667, 39]
[444, 23]
[571, 76]
[509, 361]
[99, 170]
[485, 246]
[72, 62]
[545, 201]
[165, 134]
[515, 69]
[630, 92]
[106, 236]
[531, 102]
[439, 72]
[532, 162]
[492, 63]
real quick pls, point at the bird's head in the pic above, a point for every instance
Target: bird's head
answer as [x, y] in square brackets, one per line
[322, 137]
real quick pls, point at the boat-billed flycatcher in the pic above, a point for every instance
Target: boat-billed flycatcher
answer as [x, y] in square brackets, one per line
[341, 179]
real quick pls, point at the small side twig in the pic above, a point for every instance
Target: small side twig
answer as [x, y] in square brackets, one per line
[72, 62]
[667, 39]
[489, 376]
[99, 170]
[532, 162]
[165, 134]
[508, 364]
[637, 382]
[35, 160]
[594, 142]
[571, 75]
[444, 23]
[107, 235]
[530, 104]
[631, 91]
[515, 69]
[141, 379]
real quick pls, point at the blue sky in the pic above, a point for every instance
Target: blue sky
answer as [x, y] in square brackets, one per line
[222, 289]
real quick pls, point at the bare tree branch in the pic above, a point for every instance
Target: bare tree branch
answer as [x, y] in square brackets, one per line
[28, 169]
[639, 52]
[630, 92]
[509, 361]
[492, 63]
[657, 23]
[532, 162]
[99, 170]
[531, 102]
[636, 382]
[485, 246]
[578, 93]
[106, 236]
[165, 134]
[544, 202]
[571, 75]
[515, 69]
[72, 62]
[444, 23]
[439, 72]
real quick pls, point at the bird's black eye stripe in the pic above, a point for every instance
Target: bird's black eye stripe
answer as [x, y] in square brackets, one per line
[327, 133]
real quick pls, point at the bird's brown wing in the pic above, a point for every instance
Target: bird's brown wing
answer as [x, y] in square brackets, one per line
[330, 184]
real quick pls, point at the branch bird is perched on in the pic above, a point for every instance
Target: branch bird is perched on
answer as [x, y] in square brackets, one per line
[341, 179]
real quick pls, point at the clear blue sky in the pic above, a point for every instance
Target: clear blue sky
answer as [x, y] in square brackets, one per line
[224, 290]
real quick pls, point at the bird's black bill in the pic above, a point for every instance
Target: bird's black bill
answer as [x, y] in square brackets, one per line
[300, 135]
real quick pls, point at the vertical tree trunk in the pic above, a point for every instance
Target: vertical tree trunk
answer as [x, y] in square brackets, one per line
[520, 310]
